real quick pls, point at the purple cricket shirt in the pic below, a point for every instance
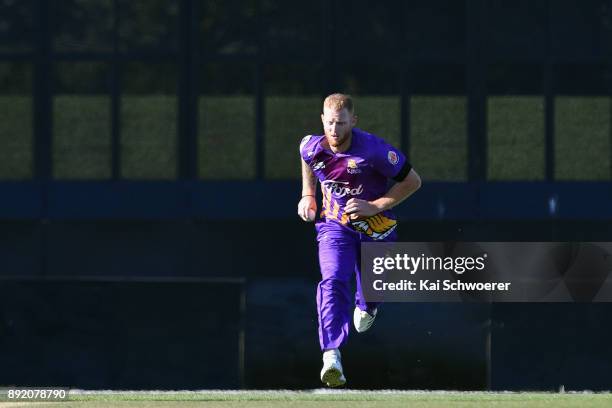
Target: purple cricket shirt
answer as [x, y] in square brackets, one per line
[360, 172]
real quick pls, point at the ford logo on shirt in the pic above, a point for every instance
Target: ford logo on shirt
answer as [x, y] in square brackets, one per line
[340, 189]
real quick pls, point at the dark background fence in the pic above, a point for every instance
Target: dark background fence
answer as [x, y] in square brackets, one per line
[182, 56]
[149, 175]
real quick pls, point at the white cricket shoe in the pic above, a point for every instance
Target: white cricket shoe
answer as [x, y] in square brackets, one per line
[363, 320]
[331, 374]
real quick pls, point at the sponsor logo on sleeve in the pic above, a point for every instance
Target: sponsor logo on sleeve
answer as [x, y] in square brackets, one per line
[392, 157]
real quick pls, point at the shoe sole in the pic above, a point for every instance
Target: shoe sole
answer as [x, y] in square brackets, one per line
[366, 327]
[333, 378]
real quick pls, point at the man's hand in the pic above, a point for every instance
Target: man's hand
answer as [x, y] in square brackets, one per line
[305, 206]
[360, 208]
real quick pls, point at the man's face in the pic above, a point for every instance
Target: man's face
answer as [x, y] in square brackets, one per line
[337, 126]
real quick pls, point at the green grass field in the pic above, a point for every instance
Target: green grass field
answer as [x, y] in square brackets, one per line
[323, 398]
[226, 136]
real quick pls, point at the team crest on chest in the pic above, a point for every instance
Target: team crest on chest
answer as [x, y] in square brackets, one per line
[351, 167]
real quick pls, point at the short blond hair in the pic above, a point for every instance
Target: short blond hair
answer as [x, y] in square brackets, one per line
[338, 101]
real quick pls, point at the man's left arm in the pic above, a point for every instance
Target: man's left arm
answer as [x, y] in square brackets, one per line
[396, 194]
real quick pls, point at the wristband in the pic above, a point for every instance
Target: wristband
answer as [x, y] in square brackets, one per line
[308, 195]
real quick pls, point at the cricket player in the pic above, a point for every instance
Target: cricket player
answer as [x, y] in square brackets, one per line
[353, 168]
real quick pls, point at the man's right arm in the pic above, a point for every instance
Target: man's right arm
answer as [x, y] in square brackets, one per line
[309, 192]
[309, 181]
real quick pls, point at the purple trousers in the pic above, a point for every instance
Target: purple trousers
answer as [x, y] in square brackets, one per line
[340, 263]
